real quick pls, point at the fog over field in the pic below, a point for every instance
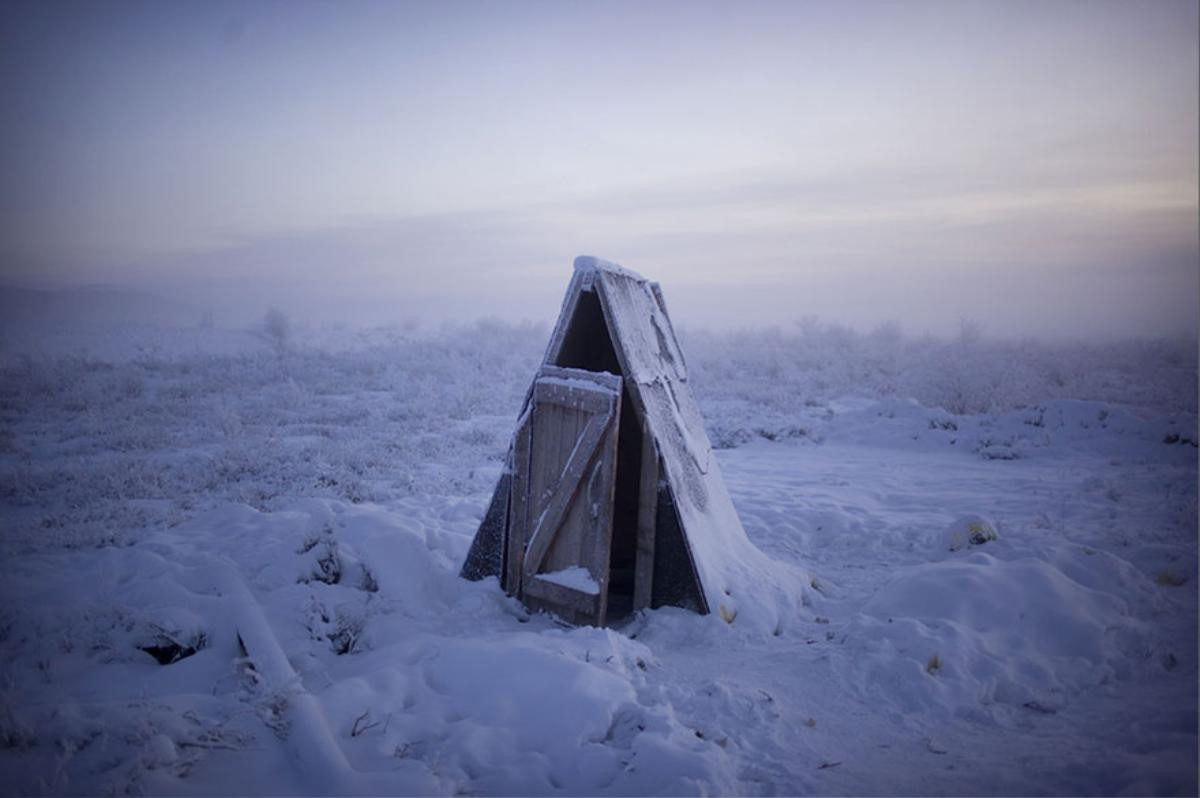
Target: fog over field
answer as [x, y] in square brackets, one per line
[1031, 167]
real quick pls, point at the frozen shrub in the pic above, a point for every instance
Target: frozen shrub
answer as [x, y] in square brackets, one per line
[970, 530]
[228, 421]
[968, 374]
[277, 327]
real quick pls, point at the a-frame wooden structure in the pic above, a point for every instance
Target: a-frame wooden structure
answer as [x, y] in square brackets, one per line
[611, 500]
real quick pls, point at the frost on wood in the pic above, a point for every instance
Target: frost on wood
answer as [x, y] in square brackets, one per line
[575, 577]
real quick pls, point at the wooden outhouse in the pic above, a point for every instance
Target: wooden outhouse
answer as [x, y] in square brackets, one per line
[611, 499]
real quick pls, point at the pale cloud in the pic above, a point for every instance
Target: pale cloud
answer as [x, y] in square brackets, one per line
[790, 157]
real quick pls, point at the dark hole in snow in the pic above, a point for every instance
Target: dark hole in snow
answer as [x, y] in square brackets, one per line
[167, 651]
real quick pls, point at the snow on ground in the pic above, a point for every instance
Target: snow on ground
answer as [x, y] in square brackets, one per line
[230, 566]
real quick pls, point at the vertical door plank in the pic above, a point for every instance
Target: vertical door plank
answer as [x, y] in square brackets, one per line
[600, 499]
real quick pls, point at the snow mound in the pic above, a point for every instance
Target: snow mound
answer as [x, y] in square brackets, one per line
[347, 632]
[976, 631]
[1060, 658]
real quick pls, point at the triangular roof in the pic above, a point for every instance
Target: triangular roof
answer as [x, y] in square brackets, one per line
[735, 579]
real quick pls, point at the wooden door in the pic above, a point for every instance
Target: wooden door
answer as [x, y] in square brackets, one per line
[561, 514]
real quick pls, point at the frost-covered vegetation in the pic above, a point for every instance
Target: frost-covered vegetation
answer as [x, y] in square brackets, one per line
[967, 374]
[103, 435]
[97, 445]
[1000, 536]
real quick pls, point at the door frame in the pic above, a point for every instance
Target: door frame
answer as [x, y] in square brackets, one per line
[534, 524]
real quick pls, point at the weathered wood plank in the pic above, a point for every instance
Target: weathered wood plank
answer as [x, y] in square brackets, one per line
[572, 542]
[564, 550]
[550, 518]
[544, 461]
[571, 424]
[563, 596]
[582, 399]
[643, 578]
[518, 508]
[601, 494]
[602, 378]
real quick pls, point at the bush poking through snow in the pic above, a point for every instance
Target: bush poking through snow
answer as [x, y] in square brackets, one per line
[1168, 578]
[970, 530]
[277, 328]
[342, 628]
[363, 724]
[368, 583]
[346, 635]
[327, 567]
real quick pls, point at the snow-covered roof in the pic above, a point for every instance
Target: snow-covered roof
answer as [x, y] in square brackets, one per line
[588, 263]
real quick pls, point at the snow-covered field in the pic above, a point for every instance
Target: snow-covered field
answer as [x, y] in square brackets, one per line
[230, 567]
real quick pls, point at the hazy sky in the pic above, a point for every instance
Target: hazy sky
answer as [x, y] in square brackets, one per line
[1032, 166]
